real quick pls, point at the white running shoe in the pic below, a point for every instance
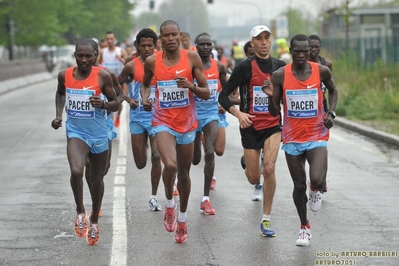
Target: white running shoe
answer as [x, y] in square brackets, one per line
[154, 206]
[258, 193]
[314, 200]
[304, 237]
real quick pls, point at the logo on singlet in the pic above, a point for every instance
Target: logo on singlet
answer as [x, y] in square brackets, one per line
[179, 71]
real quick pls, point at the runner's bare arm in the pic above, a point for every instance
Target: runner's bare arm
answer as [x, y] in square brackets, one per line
[145, 89]
[59, 101]
[277, 88]
[202, 90]
[105, 82]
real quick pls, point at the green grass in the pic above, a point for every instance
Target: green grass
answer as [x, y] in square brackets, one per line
[368, 95]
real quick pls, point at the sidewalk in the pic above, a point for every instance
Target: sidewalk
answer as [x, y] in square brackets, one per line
[23, 81]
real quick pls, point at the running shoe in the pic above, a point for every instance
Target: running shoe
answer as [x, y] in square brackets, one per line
[304, 237]
[206, 208]
[93, 234]
[314, 200]
[213, 184]
[80, 225]
[258, 193]
[266, 229]
[175, 191]
[154, 206]
[242, 161]
[100, 213]
[325, 188]
[181, 233]
[169, 220]
[117, 121]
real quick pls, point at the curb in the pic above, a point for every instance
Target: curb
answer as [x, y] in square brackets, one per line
[16, 83]
[367, 131]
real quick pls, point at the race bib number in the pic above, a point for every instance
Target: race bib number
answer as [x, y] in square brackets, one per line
[302, 103]
[170, 96]
[260, 100]
[78, 104]
[151, 98]
[213, 88]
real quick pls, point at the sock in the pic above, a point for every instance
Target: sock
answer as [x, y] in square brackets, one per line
[214, 177]
[204, 198]
[182, 217]
[266, 218]
[170, 203]
[303, 226]
[153, 197]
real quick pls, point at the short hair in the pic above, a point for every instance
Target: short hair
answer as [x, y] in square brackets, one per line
[201, 34]
[95, 45]
[168, 22]
[146, 33]
[85, 42]
[246, 46]
[299, 37]
[315, 37]
[185, 34]
[109, 32]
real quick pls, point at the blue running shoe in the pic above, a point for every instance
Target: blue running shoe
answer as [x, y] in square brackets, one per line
[243, 165]
[266, 229]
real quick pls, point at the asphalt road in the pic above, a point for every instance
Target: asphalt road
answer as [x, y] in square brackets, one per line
[358, 218]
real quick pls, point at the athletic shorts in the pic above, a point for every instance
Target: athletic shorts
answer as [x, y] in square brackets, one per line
[96, 145]
[222, 120]
[140, 127]
[185, 138]
[293, 148]
[203, 122]
[254, 139]
[111, 129]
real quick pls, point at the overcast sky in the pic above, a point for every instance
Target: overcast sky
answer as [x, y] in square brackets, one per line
[240, 10]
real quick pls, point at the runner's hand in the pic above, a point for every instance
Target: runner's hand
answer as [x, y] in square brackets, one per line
[147, 105]
[56, 123]
[245, 120]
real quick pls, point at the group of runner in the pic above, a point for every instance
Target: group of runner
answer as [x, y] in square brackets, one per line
[178, 97]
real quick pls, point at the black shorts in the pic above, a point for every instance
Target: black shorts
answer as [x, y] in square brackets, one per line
[254, 139]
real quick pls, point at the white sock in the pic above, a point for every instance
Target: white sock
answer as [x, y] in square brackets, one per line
[266, 217]
[214, 177]
[170, 203]
[182, 217]
[204, 198]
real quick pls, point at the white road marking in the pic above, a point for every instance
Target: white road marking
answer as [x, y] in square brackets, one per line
[119, 236]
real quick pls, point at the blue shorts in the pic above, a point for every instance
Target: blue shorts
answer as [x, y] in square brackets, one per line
[185, 138]
[293, 148]
[222, 120]
[111, 129]
[140, 127]
[203, 122]
[97, 146]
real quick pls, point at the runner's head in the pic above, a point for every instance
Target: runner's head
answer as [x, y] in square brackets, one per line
[300, 49]
[146, 40]
[248, 49]
[170, 35]
[261, 40]
[315, 47]
[110, 38]
[185, 40]
[85, 55]
[204, 45]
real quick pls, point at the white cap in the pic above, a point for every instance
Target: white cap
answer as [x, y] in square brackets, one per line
[258, 29]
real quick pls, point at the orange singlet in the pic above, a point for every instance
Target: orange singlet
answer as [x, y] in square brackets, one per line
[303, 108]
[174, 107]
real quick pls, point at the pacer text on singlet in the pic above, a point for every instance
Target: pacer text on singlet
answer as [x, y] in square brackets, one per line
[302, 103]
[170, 96]
[78, 104]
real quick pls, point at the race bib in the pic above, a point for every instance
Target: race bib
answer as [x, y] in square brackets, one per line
[170, 96]
[260, 100]
[213, 88]
[78, 105]
[302, 103]
[151, 98]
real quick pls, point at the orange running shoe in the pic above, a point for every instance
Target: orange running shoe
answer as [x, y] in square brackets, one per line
[117, 121]
[169, 220]
[80, 225]
[181, 233]
[206, 208]
[175, 190]
[93, 234]
[213, 184]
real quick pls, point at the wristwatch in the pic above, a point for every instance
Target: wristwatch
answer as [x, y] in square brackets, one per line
[332, 113]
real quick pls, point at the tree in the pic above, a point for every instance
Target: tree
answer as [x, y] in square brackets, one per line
[191, 15]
